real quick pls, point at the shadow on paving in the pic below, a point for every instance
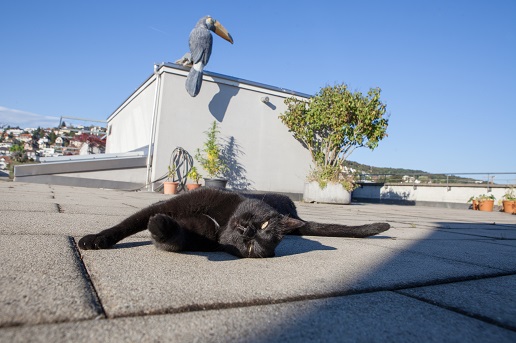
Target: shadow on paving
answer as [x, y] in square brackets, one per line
[389, 295]
[304, 245]
[478, 304]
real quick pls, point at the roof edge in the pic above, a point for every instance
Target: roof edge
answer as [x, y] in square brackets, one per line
[158, 67]
[236, 79]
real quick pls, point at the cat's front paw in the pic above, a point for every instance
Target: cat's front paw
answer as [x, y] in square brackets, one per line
[93, 242]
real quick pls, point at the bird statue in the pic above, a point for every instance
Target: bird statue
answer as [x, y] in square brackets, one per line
[200, 43]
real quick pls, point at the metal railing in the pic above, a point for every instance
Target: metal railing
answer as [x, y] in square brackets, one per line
[488, 179]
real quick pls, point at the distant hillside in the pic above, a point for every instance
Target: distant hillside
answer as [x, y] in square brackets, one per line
[382, 170]
[398, 175]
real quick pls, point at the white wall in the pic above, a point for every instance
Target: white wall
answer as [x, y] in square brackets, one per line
[268, 157]
[455, 194]
[129, 126]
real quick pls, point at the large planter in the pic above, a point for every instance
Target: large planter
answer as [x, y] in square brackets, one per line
[333, 193]
[170, 187]
[215, 183]
[486, 205]
[509, 206]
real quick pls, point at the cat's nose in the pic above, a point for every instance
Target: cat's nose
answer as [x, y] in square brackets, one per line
[249, 232]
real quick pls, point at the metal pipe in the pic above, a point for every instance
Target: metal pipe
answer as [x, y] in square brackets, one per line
[152, 136]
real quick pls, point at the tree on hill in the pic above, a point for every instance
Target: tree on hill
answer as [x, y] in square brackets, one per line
[17, 151]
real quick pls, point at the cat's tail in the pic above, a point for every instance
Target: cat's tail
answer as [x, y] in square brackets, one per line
[336, 230]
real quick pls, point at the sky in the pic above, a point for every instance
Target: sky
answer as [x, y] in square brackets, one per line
[446, 68]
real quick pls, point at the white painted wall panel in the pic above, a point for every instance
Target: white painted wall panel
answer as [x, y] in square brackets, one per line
[129, 126]
[267, 156]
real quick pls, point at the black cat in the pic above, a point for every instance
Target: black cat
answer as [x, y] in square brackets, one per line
[207, 219]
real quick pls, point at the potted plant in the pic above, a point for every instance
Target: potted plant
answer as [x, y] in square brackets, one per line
[331, 125]
[193, 175]
[210, 159]
[170, 186]
[483, 202]
[474, 203]
[509, 201]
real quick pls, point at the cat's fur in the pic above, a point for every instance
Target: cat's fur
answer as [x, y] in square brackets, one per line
[207, 219]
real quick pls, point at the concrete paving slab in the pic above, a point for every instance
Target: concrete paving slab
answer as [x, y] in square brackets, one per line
[151, 295]
[136, 278]
[24, 187]
[42, 282]
[418, 234]
[477, 252]
[376, 317]
[450, 216]
[492, 299]
[13, 195]
[67, 224]
[495, 232]
[507, 242]
[29, 206]
[118, 209]
[421, 217]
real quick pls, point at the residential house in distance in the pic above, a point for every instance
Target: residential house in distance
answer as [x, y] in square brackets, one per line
[4, 162]
[60, 141]
[4, 148]
[14, 132]
[25, 137]
[43, 143]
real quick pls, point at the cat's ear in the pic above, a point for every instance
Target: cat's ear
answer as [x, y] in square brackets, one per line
[290, 224]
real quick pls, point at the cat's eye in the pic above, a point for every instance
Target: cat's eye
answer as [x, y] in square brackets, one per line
[264, 225]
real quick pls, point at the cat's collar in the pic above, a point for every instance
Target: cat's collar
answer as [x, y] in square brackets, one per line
[217, 226]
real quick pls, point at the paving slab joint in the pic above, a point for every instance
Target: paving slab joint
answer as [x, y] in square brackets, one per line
[476, 316]
[59, 208]
[95, 298]
[451, 280]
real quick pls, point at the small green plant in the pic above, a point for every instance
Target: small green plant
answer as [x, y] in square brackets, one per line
[325, 174]
[509, 195]
[210, 155]
[482, 197]
[194, 175]
[171, 174]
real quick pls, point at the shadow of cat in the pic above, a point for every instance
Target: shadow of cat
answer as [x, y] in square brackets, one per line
[127, 245]
[290, 245]
[295, 245]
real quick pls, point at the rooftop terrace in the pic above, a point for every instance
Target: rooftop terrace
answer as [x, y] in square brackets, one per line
[438, 275]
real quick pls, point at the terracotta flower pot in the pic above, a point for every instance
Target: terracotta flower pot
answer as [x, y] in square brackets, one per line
[486, 205]
[509, 206]
[474, 205]
[191, 186]
[170, 187]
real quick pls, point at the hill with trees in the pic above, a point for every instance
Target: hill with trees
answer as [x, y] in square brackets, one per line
[386, 174]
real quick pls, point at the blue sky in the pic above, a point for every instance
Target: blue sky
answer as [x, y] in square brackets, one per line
[447, 68]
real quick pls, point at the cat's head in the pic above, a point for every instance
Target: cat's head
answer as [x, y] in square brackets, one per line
[256, 229]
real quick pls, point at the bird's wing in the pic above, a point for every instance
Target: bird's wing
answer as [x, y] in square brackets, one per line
[200, 45]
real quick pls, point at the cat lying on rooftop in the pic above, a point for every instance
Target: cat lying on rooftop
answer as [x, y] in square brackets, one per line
[208, 219]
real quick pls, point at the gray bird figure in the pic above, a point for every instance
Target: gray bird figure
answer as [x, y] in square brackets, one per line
[200, 43]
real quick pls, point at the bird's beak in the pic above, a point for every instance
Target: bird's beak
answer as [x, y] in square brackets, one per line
[222, 32]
